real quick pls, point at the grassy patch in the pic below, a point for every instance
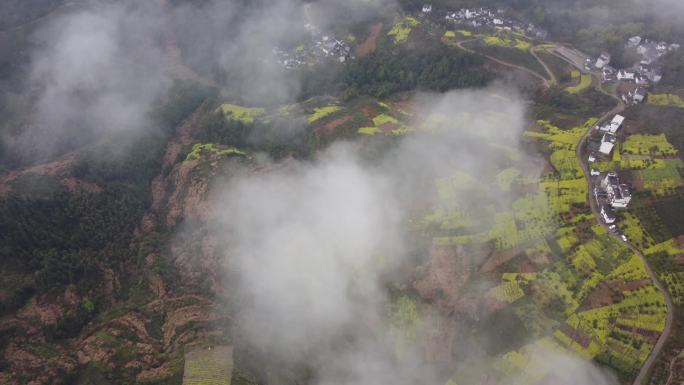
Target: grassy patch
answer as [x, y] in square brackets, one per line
[210, 149]
[242, 114]
[665, 178]
[585, 82]
[209, 367]
[501, 41]
[401, 30]
[404, 314]
[665, 100]
[653, 145]
[320, 113]
[561, 139]
[381, 119]
[368, 130]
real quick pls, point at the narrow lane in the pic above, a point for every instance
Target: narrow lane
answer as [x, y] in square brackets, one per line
[504, 63]
[552, 77]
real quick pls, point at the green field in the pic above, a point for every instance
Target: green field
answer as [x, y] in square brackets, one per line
[654, 145]
[401, 30]
[242, 114]
[368, 130]
[584, 83]
[210, 149]
[666, 100]
[322, 112]
[502, 41]
[212, 366]
[664, 178]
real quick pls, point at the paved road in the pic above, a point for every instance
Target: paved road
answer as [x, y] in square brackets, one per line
[570, 55]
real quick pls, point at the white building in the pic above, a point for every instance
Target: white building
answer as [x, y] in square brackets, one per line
[427, 8]
[614, 125]
[602, 60]
[626, 75]
[618, 194]
[639, 95]
[595, 172]
[607, 214]
[633, 41]
[606, 148]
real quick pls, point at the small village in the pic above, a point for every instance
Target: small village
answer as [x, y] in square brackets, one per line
[635, 80]
[318, 48]
[484, 17]
[610, 194]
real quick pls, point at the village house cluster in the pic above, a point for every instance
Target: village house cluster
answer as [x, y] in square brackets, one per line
[644, 73]
[318, 48]
[483, 17]
[609, 130]
[610, 193]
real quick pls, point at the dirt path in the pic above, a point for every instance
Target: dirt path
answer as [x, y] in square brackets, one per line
[503, 63]
[657, 348]
[552, 76]
[673, 361]
[368, 46]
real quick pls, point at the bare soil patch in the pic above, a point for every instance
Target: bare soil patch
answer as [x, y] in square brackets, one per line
[369, 45]
[330, 127]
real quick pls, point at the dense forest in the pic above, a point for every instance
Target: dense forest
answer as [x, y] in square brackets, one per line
[52, 237]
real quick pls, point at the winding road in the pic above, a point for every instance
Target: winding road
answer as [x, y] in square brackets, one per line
[552, 76]
[576, 59]
[504, 63]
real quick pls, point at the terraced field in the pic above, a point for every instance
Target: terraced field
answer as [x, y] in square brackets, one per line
[211, 366]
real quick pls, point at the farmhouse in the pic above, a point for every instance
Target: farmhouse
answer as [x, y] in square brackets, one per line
[607, 144]
[607, 214]
[427, 8]
[602, 60]
[633, 41]
[640, 80]
[608, 73]
[639, 95]
[606, 148]
[625, 75]
[618, 194]
[614, 125]
[650, 72]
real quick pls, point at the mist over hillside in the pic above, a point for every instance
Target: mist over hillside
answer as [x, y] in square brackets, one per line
[341, 192]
